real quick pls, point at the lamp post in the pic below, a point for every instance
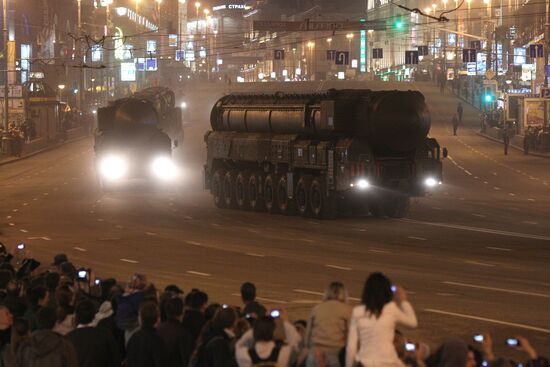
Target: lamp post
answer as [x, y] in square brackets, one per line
[197, 7]
[206, 46]
[6, 86]
[60, 88]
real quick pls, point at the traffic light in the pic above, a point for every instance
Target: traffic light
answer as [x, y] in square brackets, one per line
[398, 24]
[488, 97]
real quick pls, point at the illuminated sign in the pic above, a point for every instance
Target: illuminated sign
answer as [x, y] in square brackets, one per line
[151, 46]
[127, 72]
[151, 64]
[231, 7]
[363, 51]
[119, 43]
[173, 40]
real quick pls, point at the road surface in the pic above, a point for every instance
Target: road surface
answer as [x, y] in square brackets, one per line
[474, 255]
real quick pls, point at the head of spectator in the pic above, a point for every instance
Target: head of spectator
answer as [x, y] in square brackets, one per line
[248, 292]
[337, 292]
[264, 329]
[224, 319]
[46, 318]
[150, 293]
[149, 315]
[174, 290]
[6, 318]
[107, 288]
[52, 281]
[453, 353]
[173, 308]
[241, 327]
[85, 312]
[198, 301]
[68, 272]
[65, 298]
[211, 310]
[376, 293]
[38, 296]
[59, 259]
[137, 282]
[475, 357]
[5, 277]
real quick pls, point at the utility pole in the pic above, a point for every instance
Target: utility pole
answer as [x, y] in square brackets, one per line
[546, 42]
[81, 57]
[6, 83]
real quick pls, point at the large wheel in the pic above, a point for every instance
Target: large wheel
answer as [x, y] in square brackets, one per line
[302, 195]
[321, 205]
[229, 189]
[241, 190]
[270, 193]
[255, 196]
[287, 206]
[216, 188]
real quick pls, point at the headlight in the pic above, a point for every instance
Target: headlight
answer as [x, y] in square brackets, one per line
[164, 168]
[361, 184]
[431, 182]
[113, 167]
[184, 105]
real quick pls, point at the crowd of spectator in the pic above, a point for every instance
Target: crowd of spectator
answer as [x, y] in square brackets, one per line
[60, 315]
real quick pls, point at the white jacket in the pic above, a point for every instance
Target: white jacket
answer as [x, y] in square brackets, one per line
[370, 339]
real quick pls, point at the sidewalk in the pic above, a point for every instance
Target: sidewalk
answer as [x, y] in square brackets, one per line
[495, 134]
[40, 145]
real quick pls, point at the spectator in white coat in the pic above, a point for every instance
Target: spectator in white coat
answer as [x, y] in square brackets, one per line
[372, 325]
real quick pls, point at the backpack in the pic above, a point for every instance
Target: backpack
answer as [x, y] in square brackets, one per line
[270, 361]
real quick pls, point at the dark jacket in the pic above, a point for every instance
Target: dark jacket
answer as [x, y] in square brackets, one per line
[216, 350]
[109, 324]
[254, 307]
[146, 349]
[95, 347]
[46, 349]
[179, 345]
[128, 309]
[193, 321]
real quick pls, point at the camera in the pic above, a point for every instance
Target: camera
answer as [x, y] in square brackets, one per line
[275, 314]
[82, 274]
[21, 246]
[97, 282]
[410, 347]
[478, 338]
[393, 288]
[513, 342]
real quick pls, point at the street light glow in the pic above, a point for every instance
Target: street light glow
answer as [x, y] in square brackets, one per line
[349, 36]
[197, 5]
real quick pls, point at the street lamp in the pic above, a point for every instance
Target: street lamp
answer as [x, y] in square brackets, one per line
[60, 87]
[349, 36]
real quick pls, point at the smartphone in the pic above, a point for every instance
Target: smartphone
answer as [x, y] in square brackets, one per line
[512, 342]
[82, 274]
[21, 246]
[478, 338]
[394, 288]
[275, 314]
[97, 282]
[225, 306]
[410, 347]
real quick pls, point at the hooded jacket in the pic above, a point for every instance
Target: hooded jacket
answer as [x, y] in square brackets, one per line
[46, 348]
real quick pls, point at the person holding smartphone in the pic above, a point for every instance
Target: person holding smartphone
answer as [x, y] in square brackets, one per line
[373, 323]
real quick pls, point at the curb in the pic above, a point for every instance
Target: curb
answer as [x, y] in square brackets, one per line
[51, 147]
[514, 146]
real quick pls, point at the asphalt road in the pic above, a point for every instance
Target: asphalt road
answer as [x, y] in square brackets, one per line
[474, 255]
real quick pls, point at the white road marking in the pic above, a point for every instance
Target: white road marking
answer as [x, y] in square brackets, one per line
[480, 230]
[305, 291]
[151, 233]
[499, 248]
[100, 220]
[193, 243]
[11, 224]
[80, 249]
[34, 199]
[496, 188]
[24, 231]
[479, 318]
[129, 261]
[119, 226]
[198, 273]
[531, 200]
[467, 172]
[504, 290]
[307, 240]
[270, 300]
[46, 194]
[530, 222]
[253, 231]
[25, 204]
[15, 210]
[188, 217]
[417, 238]
[446, 294]
[377, 251]
[479, 263]
[436, 208]
[479, 215]
[511, 194]
[253, 254]
[8, 217]
[40, 238]
[338, 267]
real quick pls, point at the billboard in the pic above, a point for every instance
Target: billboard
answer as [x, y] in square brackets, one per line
[533, 112]
[127, 71]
